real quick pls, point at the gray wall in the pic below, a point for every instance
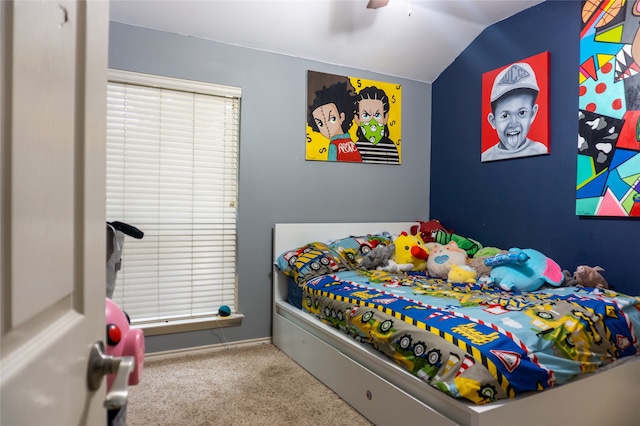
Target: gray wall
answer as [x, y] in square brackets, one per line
[274, 176]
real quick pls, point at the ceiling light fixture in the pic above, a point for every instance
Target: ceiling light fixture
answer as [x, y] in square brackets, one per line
[375, 4]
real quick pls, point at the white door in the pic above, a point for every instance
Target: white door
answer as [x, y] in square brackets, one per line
[52, 220]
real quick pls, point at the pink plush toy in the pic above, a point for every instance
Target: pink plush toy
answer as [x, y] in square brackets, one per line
[588, 276]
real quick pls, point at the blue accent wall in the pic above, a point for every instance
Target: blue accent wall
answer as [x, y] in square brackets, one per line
[527, 202]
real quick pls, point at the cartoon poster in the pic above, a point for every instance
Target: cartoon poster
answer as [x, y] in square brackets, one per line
[352, 119]
[608, 175]
[515, 110]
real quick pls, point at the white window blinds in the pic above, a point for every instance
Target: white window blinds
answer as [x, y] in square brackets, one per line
[172, 172]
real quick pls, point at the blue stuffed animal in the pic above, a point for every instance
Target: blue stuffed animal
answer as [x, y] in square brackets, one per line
[523, 270]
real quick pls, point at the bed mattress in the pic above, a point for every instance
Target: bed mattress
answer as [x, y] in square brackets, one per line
[474, 342]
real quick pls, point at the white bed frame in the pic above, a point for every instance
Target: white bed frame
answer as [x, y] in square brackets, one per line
[388, 395]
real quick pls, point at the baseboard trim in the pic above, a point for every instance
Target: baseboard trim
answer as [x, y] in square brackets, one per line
[197, 350]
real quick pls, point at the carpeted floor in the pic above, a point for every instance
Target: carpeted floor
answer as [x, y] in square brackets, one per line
[255, 385]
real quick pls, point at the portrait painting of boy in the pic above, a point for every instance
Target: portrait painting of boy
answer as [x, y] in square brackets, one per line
[515, 110]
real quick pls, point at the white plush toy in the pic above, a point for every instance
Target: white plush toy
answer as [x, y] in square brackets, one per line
[441, 258]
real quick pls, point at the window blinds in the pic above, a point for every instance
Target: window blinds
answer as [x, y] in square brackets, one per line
[172, 171]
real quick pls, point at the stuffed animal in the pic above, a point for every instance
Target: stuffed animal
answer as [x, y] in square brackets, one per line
[569, 280]
[462, 274]
[467, 244]
[410, 254]
[378, 257]
[477, 261]
[441, 258]
[406, 253]
[524, 270]
[489, 252]
[427, 230]
[587, 276]
[434, 231]
[513, 257]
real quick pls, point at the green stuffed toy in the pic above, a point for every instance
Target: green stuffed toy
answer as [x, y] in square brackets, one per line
[434, 232]
[469, 245]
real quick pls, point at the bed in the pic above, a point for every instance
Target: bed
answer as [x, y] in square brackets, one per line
[361, 370]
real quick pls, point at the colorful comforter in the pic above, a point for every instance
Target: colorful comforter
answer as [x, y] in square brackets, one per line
[474, 341]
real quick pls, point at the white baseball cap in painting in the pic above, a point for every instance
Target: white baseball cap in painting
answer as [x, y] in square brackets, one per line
[516, 76]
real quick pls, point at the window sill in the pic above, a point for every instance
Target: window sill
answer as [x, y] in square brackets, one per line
[180, 326]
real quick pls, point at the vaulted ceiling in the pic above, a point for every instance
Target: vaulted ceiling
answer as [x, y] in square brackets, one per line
[413, 39]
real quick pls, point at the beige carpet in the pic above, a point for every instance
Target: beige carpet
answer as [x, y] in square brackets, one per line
[255, 385]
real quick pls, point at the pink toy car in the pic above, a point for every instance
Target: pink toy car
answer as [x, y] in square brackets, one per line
[123, 340]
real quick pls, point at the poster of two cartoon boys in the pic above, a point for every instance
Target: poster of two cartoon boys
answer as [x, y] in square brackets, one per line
[352, 119]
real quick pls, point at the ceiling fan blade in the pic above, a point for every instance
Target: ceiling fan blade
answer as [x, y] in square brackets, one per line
[375, 4]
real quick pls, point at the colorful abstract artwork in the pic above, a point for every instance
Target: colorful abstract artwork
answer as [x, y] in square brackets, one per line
[608, 174]
[350, 119]
[515, 110]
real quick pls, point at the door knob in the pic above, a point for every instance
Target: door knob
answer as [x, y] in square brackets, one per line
[100, 365]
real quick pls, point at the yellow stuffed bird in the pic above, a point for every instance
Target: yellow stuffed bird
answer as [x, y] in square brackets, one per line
[410, 250]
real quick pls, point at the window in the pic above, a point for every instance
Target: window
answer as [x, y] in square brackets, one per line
[172, 172]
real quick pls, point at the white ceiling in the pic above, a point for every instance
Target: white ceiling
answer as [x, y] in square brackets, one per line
[413, 39]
